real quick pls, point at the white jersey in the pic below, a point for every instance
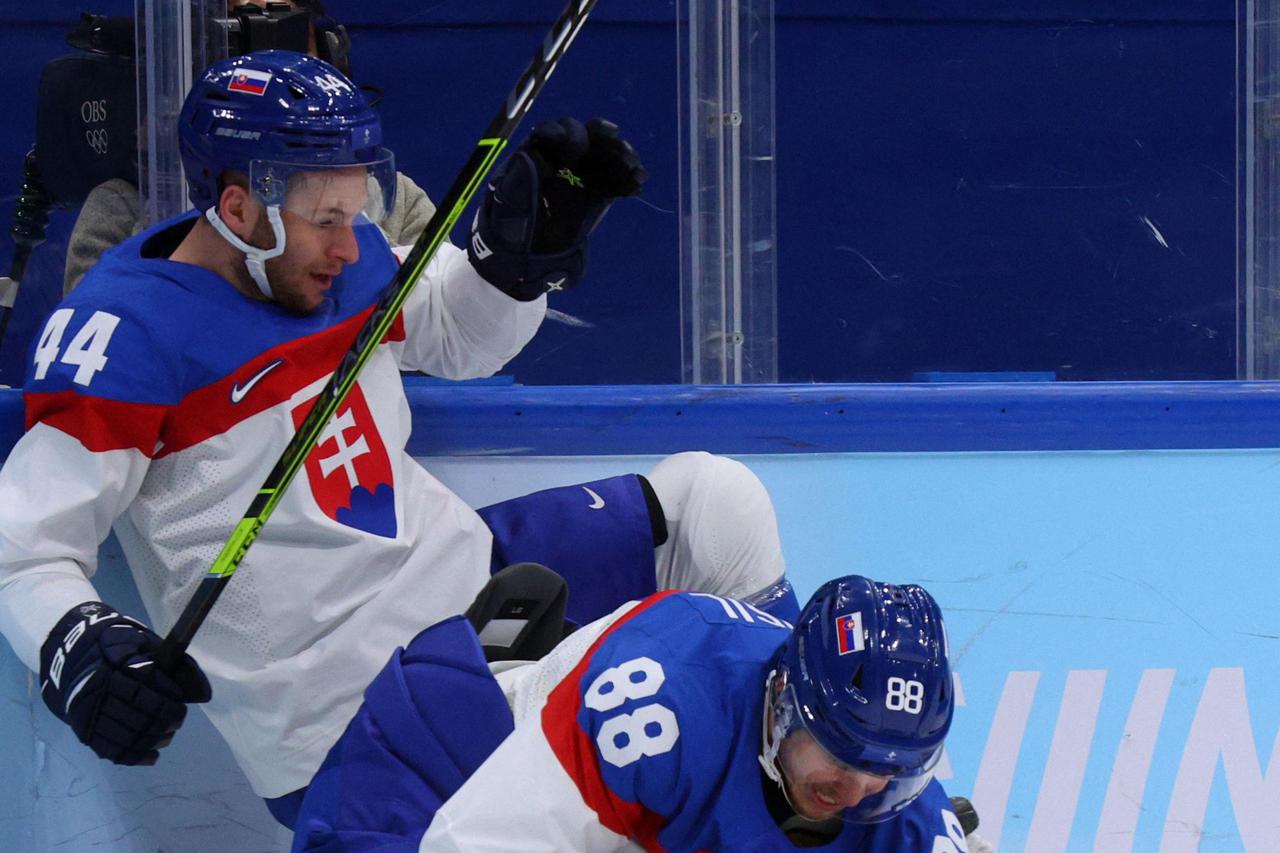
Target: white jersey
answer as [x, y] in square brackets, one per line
[158, 400]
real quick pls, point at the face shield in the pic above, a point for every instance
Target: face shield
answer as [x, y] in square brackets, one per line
[867, 785]
[336, 196]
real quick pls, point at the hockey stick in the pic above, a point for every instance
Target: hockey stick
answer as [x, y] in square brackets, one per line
[464, 186]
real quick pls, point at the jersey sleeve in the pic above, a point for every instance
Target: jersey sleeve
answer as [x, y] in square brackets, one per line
[520, 796]
[94, 399]
[457, 325]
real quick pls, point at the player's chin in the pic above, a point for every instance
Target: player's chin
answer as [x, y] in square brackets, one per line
[303, 303]
[317, 287]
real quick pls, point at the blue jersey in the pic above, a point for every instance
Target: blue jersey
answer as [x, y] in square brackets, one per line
[652, 737]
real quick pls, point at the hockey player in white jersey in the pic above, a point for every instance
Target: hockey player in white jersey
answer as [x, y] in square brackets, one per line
[160, 392]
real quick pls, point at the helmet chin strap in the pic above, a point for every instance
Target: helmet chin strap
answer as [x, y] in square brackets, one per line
[773, 729]
[255, 259]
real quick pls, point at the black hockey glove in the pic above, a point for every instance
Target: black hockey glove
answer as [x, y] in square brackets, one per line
[97, 675]
[530, 233]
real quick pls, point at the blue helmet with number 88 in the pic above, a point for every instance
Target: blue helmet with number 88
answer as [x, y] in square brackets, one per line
[865, 675]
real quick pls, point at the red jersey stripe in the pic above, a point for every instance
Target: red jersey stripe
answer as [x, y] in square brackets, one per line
[102, 424]
[266, 381]
[99, 424]
[577, 753]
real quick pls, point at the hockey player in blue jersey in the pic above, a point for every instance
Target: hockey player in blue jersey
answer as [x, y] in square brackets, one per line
[684, 722]
[161, 391]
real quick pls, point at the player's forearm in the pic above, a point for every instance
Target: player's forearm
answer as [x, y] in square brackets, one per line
[458, 326]
[32, 599]
[57, 503]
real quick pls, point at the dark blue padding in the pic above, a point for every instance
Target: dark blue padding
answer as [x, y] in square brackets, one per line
[630, 420]
[429, 719]
[1046, 11]
[634, 420]
[605, 553]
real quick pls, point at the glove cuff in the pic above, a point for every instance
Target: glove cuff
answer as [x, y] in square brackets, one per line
[522, 275]
[72, 640]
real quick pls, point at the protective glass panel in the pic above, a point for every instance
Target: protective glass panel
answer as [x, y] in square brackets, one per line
[728, 247]
[1259, 174]
[992, 191]
[839, 191]
[176, 41]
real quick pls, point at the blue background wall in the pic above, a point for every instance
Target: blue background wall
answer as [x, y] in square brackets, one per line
[961, 186]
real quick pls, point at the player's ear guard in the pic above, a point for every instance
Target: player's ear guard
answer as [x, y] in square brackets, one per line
[519, 615]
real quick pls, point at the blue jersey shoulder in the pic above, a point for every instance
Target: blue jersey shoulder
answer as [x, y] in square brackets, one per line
[144, 329]
[670, 697]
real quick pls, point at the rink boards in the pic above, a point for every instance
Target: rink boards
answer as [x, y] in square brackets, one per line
[1103, 554]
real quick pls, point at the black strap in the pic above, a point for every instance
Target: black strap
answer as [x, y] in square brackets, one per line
[657, 519]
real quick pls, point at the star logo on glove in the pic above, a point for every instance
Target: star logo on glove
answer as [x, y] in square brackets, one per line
[567, 175]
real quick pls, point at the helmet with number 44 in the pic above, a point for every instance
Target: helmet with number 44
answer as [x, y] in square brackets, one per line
[275, 116]
[299, 132]
[859, 701]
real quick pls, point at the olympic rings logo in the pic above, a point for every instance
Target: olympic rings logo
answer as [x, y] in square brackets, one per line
[97, 139]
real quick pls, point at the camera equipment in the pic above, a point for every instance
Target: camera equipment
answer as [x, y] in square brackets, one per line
[86, 126]
[277, 26]
[87, 108]
[333, 45]
[250, 27]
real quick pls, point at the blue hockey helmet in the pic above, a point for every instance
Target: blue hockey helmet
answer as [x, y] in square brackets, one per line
[272, 113]
[865, 674]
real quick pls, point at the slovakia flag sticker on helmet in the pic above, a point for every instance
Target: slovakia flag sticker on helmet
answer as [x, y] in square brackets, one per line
[849, 633]
[249, 80]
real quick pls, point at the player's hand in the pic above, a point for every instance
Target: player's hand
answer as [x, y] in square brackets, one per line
[97, 674]
[530, 234]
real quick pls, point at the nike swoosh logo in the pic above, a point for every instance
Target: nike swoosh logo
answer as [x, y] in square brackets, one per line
[596, 501]
[239, 391]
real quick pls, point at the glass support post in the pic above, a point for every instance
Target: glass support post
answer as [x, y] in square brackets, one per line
[728, 237]
[176, 40]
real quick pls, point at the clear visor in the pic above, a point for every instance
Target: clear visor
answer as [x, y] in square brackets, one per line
[821, 786]
[328, 196]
